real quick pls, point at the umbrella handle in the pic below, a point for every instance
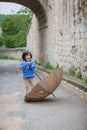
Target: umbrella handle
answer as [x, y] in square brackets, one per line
[37, 75]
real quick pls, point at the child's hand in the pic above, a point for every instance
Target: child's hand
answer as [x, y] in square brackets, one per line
[28, 63]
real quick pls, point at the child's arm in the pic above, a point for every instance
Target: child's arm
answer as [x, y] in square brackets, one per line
[32, 65]
[22, 65]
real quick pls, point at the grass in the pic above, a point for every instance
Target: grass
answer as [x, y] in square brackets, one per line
[7, 57]
[85, 80]
[72, 72]
[79, 75]
[50, 67]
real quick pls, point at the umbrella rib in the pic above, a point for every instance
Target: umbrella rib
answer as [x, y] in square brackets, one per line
[45, 89]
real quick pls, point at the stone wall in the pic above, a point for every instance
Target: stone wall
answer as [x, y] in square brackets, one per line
[58, 32]
[63, 39]
[12, 53]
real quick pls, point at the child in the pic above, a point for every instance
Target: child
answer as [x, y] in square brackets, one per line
[27, 66]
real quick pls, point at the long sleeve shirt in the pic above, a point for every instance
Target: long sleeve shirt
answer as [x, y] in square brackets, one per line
[28, 69]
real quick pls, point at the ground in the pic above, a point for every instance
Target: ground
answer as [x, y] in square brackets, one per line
[65, 112]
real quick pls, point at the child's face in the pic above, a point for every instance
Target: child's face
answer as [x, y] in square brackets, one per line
[28, 57]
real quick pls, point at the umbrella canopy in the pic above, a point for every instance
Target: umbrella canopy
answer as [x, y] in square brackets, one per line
[46, 86]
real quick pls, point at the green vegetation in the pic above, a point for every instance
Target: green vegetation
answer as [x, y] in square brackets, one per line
[72, 72]
[37, 62]
[26, 11]
[85, 80]
[5, 57]
[78, 75]
[50, 67]
[2, 18]
[14, 28]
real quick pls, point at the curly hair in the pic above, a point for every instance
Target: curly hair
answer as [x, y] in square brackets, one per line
[26, 53]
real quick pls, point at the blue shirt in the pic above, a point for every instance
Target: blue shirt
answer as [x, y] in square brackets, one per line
[28, 69]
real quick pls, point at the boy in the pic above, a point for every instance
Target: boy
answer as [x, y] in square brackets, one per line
[28, 65]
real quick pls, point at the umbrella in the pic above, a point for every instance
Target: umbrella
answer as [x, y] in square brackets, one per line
[46, 86]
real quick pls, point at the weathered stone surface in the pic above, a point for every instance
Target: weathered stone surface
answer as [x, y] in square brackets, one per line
[58, 31]
[64, 40]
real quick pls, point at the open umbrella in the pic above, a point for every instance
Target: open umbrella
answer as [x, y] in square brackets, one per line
[46, 86]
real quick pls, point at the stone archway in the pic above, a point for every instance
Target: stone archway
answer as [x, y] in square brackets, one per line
[58, 32]
[36, 8]
[40, 16]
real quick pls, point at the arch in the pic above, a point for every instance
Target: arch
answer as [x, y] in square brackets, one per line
[36, 8]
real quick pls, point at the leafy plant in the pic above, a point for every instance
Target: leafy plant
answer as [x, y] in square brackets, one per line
[1, 41]
[49, 66]
[37, 62]
[85, 80]
[57, 66]
[79, 75]
[72, 71]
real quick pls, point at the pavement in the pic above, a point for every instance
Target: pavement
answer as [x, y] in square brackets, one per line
[75, 85]
[65, 112]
